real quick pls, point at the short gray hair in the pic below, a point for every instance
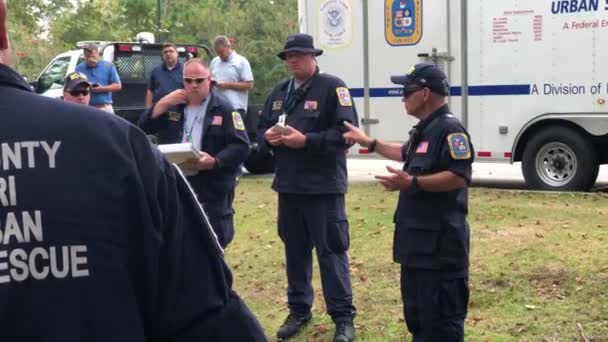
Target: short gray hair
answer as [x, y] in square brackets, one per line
[221, 40]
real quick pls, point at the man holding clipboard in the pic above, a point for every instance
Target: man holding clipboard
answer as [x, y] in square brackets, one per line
[195, 115]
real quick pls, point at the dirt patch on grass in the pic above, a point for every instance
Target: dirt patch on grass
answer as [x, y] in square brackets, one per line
[550, 283]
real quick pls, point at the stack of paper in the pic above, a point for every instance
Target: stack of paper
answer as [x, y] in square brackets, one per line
[179, 153]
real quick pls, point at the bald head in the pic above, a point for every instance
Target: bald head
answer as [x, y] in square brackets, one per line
[4, 43]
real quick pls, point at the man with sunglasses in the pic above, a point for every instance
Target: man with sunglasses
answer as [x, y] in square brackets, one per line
[196, 115]
[102, 239]
[77, 88]
[431, 232]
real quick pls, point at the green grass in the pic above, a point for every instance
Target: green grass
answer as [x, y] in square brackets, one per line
[539, 265]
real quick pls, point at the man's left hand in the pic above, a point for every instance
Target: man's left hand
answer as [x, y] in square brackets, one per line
[397, 180]
[205, 162]
[295, 139]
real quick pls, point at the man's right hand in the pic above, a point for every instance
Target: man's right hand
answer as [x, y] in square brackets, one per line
[175, 97]
[356, 135]
[273, 137]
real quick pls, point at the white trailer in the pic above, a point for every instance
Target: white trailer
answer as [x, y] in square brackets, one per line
[529, 79]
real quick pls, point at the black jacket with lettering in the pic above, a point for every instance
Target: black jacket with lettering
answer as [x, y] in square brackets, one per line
[319, 167]
[431, 231]
[142, 263]
[225, 139]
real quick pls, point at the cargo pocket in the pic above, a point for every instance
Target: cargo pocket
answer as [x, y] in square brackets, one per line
[453, 298]
[417, 242]
[338, 239]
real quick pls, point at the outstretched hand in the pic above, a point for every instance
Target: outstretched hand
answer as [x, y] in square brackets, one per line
[356, 135]
[397, 180]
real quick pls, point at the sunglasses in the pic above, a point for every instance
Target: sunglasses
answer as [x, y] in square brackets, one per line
[195, 80]
[408, 91]
[79, 92]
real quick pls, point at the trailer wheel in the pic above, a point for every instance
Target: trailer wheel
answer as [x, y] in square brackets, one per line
[561, 159]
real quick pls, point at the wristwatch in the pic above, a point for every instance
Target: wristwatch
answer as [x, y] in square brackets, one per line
[414, 183]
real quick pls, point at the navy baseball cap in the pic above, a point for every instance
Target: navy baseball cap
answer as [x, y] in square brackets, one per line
[424, 75]
[74, 79]
[302, 43]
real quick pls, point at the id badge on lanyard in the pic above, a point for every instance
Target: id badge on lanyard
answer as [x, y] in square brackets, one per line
[282, 119]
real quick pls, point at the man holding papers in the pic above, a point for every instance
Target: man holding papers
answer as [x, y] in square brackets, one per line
[207, 121]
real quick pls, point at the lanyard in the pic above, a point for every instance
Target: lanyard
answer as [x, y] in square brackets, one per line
[197, 117]
[293, 98]
[288, 98]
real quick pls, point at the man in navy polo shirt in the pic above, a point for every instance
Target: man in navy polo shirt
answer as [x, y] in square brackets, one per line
[165, 77]
[103, 78]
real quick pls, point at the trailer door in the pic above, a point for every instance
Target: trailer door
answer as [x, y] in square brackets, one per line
[401, 34]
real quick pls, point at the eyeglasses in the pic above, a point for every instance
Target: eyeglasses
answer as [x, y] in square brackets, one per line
[79, 92]
[198, 80]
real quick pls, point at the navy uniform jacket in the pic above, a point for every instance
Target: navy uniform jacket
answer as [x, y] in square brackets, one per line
[102, 239]
[431, 231]
[319, 167]
[225, 139]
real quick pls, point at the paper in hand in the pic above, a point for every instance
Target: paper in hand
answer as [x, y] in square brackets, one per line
[179, 153]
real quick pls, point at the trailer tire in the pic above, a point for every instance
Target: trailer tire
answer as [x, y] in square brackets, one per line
[560, 159]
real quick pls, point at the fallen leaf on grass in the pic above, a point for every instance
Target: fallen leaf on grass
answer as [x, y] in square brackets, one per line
[530, 307]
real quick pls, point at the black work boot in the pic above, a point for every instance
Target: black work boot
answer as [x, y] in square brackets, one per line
[292, 325]
[345, 332]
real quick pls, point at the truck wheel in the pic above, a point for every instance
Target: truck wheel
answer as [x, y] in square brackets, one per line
[259, 162]
[559, 158]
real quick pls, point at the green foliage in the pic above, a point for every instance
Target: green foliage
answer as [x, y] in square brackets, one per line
[40, 29]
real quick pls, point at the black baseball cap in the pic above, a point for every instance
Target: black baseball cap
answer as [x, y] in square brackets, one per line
[74, 79]
[424, 75]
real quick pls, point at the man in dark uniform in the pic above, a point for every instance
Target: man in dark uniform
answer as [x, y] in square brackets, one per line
[302, 123]
[165, 77]
[431, 232]
[100, 238]
[194, 114]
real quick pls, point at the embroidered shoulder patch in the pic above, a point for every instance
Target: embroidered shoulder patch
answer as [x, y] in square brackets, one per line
[344, 96]
[238, 121]
[174, 116]
[459, 146]
[277, 105]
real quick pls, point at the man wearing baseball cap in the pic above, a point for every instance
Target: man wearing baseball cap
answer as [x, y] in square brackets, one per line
[431, 232]
[77, 88]
[102, 76]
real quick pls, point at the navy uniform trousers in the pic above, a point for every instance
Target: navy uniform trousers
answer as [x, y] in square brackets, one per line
[320, 221]
[221, 217]
[435, 306]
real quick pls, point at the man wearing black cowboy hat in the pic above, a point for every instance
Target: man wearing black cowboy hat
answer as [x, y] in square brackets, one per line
[302, 122]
